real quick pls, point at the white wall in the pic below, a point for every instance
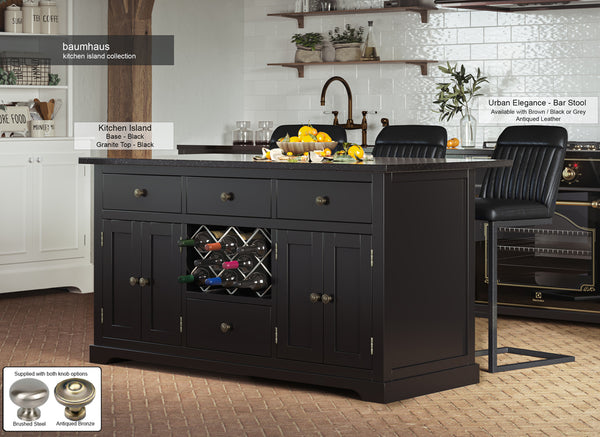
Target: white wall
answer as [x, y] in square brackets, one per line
[90, 81]
[203, 92]
[548, 53]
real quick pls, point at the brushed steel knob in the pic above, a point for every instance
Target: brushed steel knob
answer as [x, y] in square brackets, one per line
[74, 394]
[314, 297]
[225, 327]
[29, 394]
[326, 298]
[321, 200]
[140, 192]
[226, 196]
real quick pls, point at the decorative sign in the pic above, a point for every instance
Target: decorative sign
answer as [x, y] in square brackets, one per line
[538, 110]
[14, 118]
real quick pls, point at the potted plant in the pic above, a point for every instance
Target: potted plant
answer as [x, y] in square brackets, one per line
[308, 47]
[347, 43]
[455, 96]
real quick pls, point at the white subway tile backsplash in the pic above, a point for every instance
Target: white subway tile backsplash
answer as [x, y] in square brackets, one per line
[454, 52]
[470, 35]
[511, 51]
[457, 19]
[497, 34]
[484, 51]
[484, 18]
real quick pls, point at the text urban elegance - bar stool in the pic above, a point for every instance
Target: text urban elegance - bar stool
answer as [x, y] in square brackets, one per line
[411, 141]
[521, 195]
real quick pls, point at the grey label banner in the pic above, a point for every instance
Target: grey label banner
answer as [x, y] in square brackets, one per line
[93, 49]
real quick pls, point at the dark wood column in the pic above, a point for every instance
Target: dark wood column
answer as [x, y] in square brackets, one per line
[130, 86]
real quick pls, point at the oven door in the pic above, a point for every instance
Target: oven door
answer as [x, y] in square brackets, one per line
[551, 266]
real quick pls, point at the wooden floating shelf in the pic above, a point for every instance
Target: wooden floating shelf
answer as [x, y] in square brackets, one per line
[300, 65]
[299, 16]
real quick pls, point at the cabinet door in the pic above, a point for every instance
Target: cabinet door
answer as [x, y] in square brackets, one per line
[16, 216]
[161, 297]
[347, 318]
[299, 273]
[120, 262]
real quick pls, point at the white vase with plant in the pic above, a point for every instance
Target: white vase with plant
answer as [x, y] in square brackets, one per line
[455, 97]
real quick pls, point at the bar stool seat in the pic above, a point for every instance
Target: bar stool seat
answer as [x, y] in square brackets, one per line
[411, 141]
[521, 195]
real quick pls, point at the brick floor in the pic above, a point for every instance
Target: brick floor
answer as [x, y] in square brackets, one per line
[55, 328]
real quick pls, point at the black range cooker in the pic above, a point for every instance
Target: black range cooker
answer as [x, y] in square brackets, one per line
[551, 271]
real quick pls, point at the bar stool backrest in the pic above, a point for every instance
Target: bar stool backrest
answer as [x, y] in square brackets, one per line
[411, 141]
[538, 154]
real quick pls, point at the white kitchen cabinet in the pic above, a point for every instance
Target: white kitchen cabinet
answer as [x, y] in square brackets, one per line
[45, 221]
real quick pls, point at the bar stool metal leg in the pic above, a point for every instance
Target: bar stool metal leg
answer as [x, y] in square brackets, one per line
[547, 358]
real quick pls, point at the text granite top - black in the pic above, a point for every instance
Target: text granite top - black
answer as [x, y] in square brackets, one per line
[246, 161]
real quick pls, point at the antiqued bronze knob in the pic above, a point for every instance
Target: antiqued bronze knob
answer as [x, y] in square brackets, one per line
[569, 174]
[133, 281]
[74, 394]
[315, 297]
[321, 200]
[326, 298]
[225, 327]
[144, 282]
[29, 394]
[140, 192]
[226, 196]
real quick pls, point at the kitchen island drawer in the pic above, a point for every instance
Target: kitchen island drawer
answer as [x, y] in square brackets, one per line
[141, 193]
[328, 201]
[229, 196]
[229, 327]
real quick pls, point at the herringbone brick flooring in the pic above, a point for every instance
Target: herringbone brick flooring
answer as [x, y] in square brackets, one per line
[54, 328]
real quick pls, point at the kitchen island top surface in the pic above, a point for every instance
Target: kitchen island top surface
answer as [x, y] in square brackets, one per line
[215, 160]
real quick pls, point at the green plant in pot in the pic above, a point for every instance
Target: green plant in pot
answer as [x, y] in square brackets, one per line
[347, 43]
[308, 47]
[455, 97]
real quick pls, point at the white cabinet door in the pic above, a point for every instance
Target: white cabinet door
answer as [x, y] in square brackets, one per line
[60, 209]
[16, 216]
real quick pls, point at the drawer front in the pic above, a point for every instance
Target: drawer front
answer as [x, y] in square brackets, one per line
[249, 332]
[328, 201]
[229, 196]
[141, 193]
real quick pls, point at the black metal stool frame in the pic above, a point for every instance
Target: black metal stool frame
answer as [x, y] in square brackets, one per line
[547, 358]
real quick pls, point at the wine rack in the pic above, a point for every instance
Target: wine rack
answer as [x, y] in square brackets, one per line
[246, 236]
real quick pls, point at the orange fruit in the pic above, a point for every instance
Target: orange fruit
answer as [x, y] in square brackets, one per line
[323, 137]
[356, 152]
[327, 151]
[307, 130]
[294, 139]
[307, 138]
[452, 143]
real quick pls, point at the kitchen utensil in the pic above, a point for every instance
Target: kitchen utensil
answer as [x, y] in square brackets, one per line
[57, 106]
[50, 109]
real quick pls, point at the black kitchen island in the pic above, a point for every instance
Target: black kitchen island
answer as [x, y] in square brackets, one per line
[369, 269]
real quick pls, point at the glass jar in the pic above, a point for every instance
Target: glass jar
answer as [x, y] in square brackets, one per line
[264, 133]
[243, 135]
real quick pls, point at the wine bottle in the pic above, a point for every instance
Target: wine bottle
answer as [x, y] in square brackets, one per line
[255, 247]
[256, 281]
[214, 259]
[199, 240]
[229, 244]
[244, 263]
[227, 280]
[198, 276]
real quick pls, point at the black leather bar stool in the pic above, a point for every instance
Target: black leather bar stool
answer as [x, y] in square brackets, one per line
[411, 141]
[521, 195]
[336, 133]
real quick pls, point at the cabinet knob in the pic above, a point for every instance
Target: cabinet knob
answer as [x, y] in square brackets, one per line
[133, 281]
[29, 394]
[225, 327]
[144, 282]
[30, 159]
[74, 394]
[315, 297]
[39, 159]
[321, 200]
[140, 192]
[226, 197]
[326, 298]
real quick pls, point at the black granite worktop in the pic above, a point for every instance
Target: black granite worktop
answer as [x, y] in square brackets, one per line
[246, 161]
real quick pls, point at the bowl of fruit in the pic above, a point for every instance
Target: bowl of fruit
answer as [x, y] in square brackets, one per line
[307, 140]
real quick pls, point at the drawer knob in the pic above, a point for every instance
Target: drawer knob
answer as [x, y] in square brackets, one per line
[74, 394]
[29, 394]
[315, 297]
[225, 327]
[144, 282]
[226, 197]
[140, 192]
[321, 200]
[133, 281]
[326, 298]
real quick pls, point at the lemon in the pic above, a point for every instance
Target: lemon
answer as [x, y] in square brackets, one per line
[323, 137]
[294, 140]
[356, 152]
[308, 138]
[307, 130]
